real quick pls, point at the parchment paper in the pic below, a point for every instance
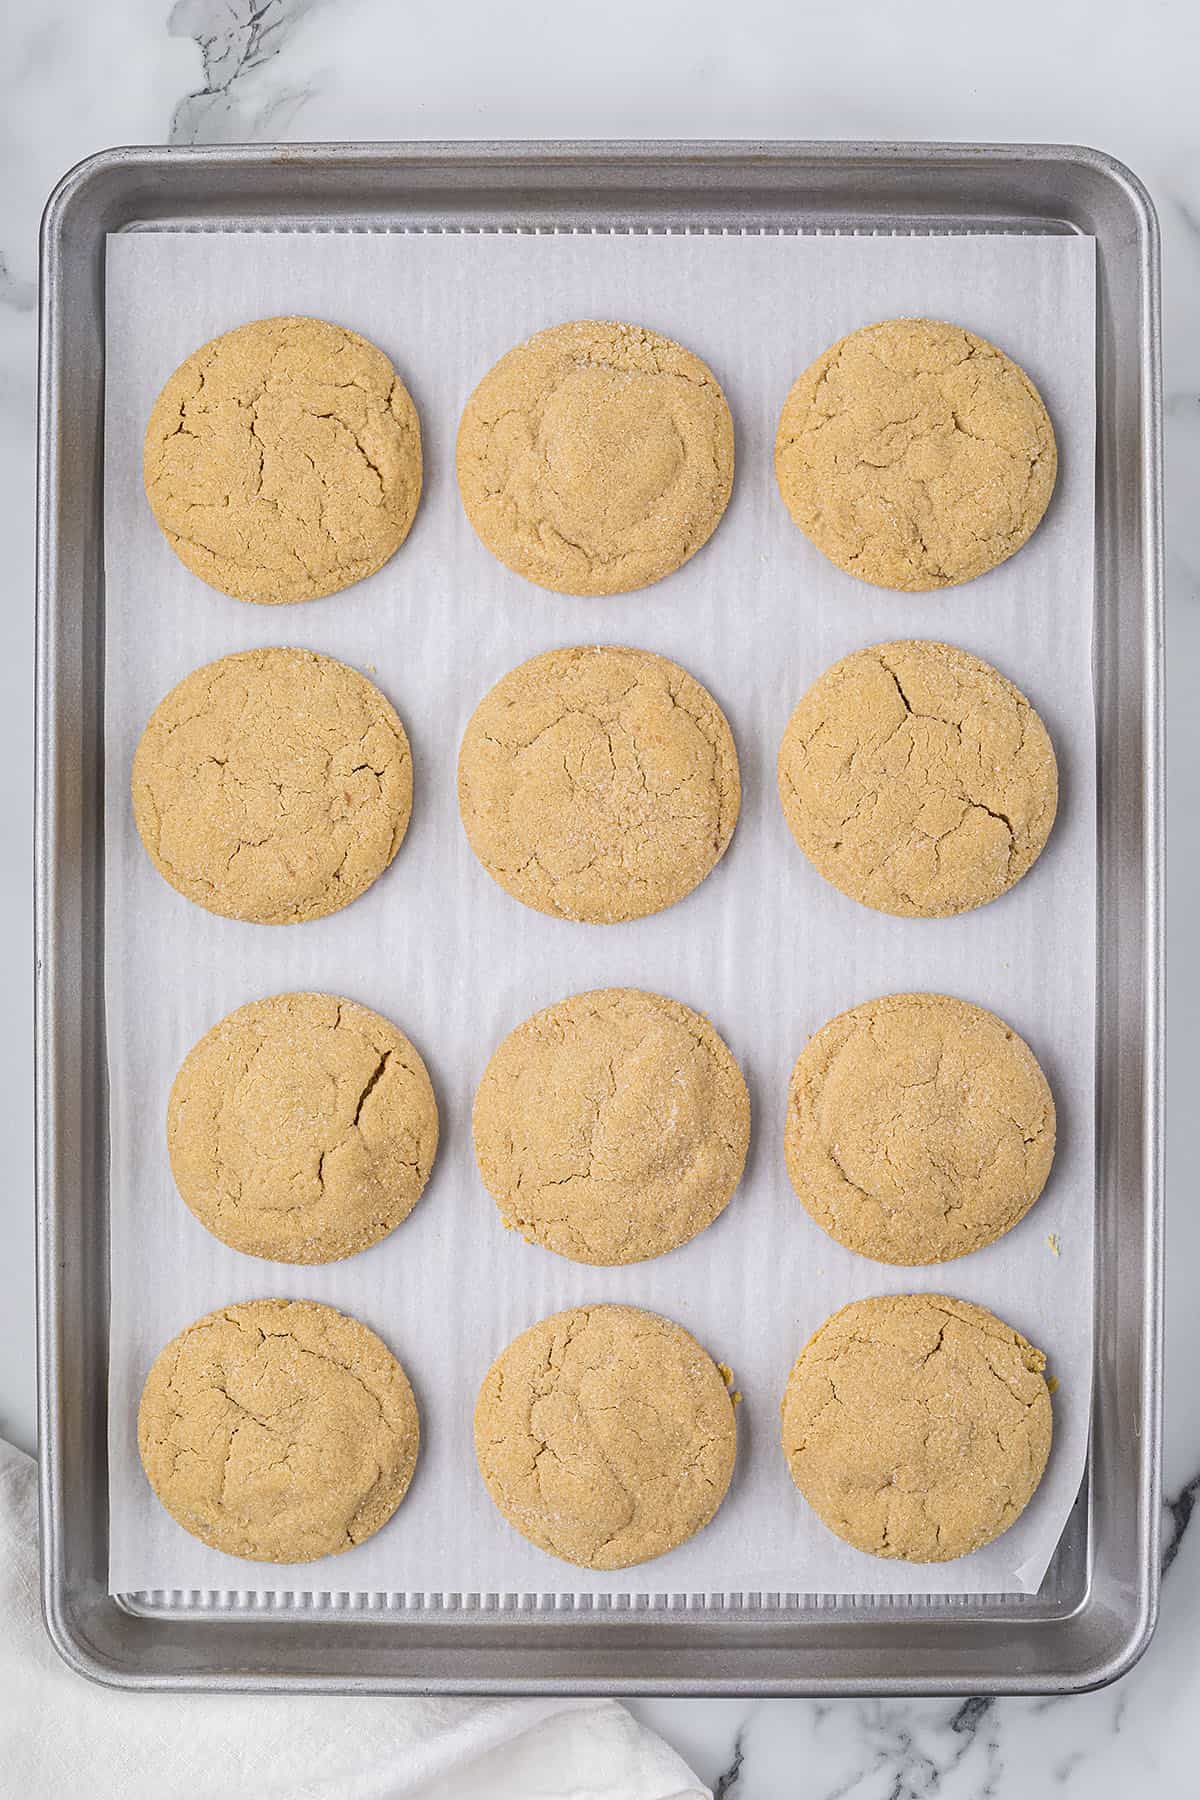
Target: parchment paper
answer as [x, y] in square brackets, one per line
[763, 946]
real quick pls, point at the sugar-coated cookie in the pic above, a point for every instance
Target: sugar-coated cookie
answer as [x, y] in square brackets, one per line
[612, 1126]
[272, 785]
[916, 1426]
[605, 1435]
[915, 454]
[918, 779]
[282, 460]
[302, 1128]
[596, 457]
[278, 1430]
[918, 1128]
[598, 783]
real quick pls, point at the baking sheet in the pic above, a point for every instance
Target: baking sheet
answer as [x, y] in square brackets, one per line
[764, 947]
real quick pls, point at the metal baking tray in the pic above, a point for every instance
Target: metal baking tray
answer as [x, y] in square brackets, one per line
[1096, 1609]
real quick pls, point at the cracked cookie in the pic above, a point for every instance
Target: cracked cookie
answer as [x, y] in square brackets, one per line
[917, 779]
[302, 1128]
[605, 1435]
[919, 1128]
[916, 1426]
[278, 1430]
[915, 455]
[282, 461]
[598, 783]
[596, 457]
[612, 1126]
[272, 785]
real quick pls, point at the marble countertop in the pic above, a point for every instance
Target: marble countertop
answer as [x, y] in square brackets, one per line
[76, 77]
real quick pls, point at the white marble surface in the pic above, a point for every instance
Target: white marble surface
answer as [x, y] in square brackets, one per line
[76, 76]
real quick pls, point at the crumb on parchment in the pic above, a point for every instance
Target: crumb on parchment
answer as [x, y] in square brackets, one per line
[726, 1373]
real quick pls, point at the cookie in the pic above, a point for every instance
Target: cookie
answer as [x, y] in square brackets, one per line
[302, 1128]
[282, 461]
[278, 1430]
[918, 1128]
[596, 458]
[915, 455]
[598, 783]
[917, 779]
[605, 1435]
[612, 1126]
[917, 1427]
[273, 785]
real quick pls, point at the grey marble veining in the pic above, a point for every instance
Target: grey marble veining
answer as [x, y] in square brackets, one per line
[237, 40]
[75, 77]
[1132, 1740]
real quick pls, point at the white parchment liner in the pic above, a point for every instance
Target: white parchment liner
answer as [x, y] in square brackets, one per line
[764, 946]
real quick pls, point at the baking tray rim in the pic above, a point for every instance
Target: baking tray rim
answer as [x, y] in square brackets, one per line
[734, 157]
[539, 153]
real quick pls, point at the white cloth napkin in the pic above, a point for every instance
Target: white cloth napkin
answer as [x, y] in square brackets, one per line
[61, 1738]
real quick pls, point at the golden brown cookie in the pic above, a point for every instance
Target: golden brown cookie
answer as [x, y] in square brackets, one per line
[598, 783]
[302, 1128]
[283, 460]
[915, 455]
[605, 1435]
[273, 785]
[278, 1430]
[917, 779]
[612, 1126]
[596, 458]
[919, 1128]
[916, 1426]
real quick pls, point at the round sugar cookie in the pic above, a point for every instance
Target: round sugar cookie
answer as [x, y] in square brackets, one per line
[915, 455]
[919, 1128]
[278, 1430]
[596, 457]
[605, 1435]
[282, 460]
[598, 783]
[302, 1128]
[917, 779]
[612, 1126]
[916, 1426]
[272, 785]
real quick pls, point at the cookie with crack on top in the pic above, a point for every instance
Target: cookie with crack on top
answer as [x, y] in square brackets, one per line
[917, 779]
[919, 1128]
[278, 1430]
[596, 457]
[917, 1426]
[302, 1128]
[605, 1435]
[272, 785]
[282, 460]
[915, 455]
[612, 1126]
[598, 783]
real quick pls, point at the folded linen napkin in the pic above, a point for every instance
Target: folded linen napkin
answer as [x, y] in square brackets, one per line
[61, 1738]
